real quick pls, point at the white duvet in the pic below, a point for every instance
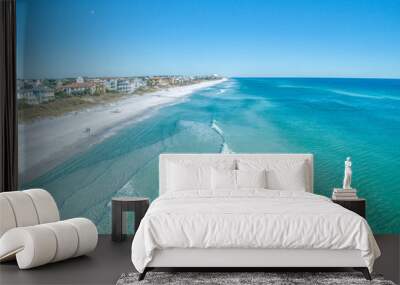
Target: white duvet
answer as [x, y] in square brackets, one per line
[250, 219]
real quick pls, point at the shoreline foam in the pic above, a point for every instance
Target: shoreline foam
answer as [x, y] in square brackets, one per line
[51, 141]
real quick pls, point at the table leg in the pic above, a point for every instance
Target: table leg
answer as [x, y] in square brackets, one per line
[117, 220]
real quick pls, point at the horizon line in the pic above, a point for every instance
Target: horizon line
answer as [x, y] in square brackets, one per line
[318, 77]
[236, 76]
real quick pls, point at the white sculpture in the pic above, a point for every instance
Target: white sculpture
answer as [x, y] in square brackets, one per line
[347, 174]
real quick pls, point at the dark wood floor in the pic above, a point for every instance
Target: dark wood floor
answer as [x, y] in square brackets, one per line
[110, 260]
[103, 266]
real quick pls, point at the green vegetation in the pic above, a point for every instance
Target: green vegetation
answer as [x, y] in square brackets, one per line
[146, 89]
[63, 104]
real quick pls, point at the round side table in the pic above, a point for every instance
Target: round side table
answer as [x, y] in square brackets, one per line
[120, 205]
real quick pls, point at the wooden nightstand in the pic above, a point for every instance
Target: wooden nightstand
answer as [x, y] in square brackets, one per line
[356, 205]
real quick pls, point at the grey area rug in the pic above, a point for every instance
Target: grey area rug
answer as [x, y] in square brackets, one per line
[228, 278]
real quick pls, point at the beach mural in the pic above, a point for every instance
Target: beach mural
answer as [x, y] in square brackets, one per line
[90, 132]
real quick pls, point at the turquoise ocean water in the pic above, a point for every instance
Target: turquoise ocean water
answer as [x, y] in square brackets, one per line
[331, 118]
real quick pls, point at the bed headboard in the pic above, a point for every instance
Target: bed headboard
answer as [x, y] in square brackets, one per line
[210, 157]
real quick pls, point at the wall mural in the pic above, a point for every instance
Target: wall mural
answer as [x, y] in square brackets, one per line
[104, 87]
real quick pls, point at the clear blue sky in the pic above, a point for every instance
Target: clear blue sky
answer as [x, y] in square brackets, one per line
[62, 38]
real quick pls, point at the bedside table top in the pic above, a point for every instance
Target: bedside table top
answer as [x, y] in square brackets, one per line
[349, 200]
[129, 199]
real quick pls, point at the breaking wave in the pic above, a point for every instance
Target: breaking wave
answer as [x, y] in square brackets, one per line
[224, 146]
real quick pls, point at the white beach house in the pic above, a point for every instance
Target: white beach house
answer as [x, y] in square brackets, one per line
[36, 95]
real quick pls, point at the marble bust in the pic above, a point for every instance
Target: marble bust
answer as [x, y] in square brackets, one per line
[347, 174]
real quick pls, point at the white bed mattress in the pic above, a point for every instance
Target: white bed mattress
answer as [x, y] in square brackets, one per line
[252, 219]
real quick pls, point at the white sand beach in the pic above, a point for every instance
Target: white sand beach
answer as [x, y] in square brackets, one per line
[51, 141]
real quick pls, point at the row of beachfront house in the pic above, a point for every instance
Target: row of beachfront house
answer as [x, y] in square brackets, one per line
[81, 88]
[165, 81]
[100, 86]
[34, 92]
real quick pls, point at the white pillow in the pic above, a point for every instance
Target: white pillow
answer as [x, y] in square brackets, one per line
[223, 179]
[282, 174]
[251, 178]
[188, 177]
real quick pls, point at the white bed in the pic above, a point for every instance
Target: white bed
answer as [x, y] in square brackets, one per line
[215, 224]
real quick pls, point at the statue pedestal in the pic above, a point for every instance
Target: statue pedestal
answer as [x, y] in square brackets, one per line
[344, 190]
[344, 194]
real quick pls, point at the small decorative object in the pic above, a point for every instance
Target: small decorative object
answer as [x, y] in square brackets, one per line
[347, 174]
[344, 194]
[347, 192]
